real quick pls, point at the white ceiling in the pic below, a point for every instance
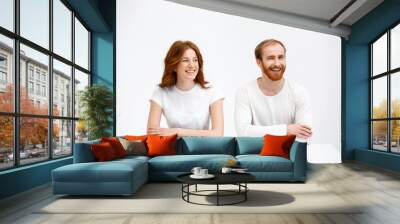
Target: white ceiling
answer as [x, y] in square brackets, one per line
[316, 15]
[320, 9]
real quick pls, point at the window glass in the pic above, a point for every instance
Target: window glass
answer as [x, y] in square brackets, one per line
[7, 14]
[395, 138]
[62, 138]
[379, 97]
[379, 135]
[395, 47]
[33, 140]
[62, 91]
[34, 21]
[395, 94]
[62, 29]
[81, 131]
[81, 82]
[6, 74]
[6, 142]
[81, 45]
[379, 55]
[31, 58]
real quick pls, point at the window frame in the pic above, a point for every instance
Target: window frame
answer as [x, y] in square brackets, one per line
[15, 72]
[388, 74]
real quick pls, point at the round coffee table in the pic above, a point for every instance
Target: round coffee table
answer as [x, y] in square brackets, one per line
[238, 179]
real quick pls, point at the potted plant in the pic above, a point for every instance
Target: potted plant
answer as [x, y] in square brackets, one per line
[96, 102]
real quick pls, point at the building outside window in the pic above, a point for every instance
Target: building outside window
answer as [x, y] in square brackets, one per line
[30, 87]
[30, 72]
[38, 89]
[37, 75]
[3, 72]
[43, 78]
[3, 78]
[43, 90]
[3, 61]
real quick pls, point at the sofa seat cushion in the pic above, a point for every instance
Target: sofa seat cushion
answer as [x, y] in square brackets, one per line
[257, 163]
[112, 171]
[133, 158]
[185, 163]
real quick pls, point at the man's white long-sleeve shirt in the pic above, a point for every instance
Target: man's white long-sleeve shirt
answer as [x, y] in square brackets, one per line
[257, 114]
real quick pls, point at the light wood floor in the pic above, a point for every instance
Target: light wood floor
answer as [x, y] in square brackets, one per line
[378, 188]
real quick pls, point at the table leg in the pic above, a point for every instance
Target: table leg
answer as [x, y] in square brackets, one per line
[182, 190]
[245, 191]
[217, 194]
[196, 188]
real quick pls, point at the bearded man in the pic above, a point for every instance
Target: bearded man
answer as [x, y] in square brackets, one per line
[272, 104]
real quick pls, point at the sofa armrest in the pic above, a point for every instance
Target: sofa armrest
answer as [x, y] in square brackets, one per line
[83, 152]
[298, 155]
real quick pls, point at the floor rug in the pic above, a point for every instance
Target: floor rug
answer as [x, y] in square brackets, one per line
[167, 198]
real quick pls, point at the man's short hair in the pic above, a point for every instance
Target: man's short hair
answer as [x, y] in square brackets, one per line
[264, 43]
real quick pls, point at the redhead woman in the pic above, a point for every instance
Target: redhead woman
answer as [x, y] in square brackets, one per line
[186, 100]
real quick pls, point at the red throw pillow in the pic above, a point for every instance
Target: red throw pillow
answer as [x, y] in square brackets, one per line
[161, 145]
[103, 151]
[116, 145]
[277, 145]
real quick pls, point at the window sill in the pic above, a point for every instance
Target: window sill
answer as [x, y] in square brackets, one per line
[26, 167]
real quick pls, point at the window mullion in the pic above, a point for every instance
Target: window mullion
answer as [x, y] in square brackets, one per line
[73, 82]
[50, 87]
[371, 98]
[16, 84]
[389, 104]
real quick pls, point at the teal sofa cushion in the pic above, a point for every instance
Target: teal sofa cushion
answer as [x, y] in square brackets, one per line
[206, 145]
[117, 170]
[117, 177]
[249, 145]
[257, 163]
[185, 163]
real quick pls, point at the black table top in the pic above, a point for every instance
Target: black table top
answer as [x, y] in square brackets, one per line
[220, 178]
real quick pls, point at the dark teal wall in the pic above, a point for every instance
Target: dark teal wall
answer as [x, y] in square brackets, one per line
[103, 52]
[357, 99]
[356, 88]
[103, 63]
[99, 16]
[24, 178]
[102, 59]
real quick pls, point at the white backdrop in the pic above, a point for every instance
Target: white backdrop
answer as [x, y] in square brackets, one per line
[146, 30]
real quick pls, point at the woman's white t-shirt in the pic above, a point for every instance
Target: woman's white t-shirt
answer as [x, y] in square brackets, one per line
[186, 109]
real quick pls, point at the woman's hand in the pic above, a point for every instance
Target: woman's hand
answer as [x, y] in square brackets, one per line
[163, 131]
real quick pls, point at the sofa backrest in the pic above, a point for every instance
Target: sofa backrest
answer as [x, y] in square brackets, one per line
[249, 145]
[83, 152]
[190, 146]
[206, 145]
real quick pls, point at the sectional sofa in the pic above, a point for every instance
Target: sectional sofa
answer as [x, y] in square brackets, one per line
[125, 176]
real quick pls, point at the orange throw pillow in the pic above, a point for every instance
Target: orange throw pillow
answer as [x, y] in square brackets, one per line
[161, 145]
[103, 151]
[135, 138]
[277, 145]
[116, 145]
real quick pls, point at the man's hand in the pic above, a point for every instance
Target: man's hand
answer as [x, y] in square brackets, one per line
[163, 131]
[300, 130]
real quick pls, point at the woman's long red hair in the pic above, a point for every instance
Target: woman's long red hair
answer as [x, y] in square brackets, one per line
[172, 60]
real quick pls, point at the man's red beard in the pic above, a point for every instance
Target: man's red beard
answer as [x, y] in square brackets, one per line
[274, 76]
